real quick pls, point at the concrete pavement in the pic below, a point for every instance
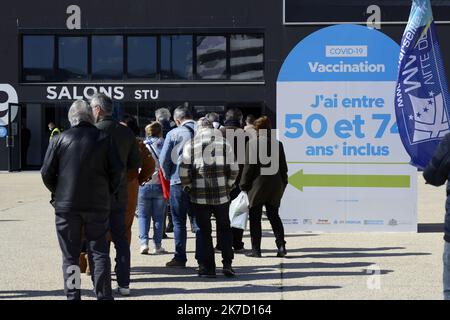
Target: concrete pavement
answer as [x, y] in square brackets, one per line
[319, 266]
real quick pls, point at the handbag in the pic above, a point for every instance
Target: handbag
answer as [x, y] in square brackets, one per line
[165, 184]
[239, 209]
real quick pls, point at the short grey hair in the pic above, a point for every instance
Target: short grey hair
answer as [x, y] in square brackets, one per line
[162, 114]
[80, 111]
[103, 101]
[234, 114]
[204, 123]
[181, 113]
[213, 117]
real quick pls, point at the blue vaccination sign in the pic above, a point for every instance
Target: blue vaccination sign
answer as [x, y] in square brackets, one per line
[336, 119]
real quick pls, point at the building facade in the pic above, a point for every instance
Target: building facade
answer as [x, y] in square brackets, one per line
[147, 54]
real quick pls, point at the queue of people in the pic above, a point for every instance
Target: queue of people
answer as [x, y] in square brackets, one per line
[100, 172]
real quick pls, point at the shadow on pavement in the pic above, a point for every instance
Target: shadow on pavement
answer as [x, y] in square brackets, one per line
[357, 255]
[256, 273]
[248, 288]
[430, 228]
[334, 249]
[285, 270]
[26, 294]
[252, 269]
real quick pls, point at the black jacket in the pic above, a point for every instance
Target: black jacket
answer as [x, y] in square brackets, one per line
[264, 189]
[82, 169]
[240, 141]
[437, 173]
[129, 152]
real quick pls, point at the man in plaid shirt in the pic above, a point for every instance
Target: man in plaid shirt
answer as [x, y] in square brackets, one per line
[208, 172]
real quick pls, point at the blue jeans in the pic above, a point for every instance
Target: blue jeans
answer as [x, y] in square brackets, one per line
[447, 271]
[180, 206]
[151, 204]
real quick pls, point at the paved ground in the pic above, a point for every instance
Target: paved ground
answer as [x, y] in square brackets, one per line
[320, 266]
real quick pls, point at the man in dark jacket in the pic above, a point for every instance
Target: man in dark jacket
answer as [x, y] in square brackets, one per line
[437, 173]
[236, 136]
[82, 169]
[123, 137]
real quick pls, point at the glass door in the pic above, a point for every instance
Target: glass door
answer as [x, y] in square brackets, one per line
[13, 142]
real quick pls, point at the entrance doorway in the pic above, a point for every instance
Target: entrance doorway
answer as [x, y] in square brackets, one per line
[37, 116]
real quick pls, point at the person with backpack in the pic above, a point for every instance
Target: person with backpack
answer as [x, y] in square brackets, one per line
[163, 116]
[170, 160]
[151, 203]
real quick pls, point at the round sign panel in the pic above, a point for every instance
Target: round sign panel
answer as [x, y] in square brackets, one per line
[348, 170]
[7, 95]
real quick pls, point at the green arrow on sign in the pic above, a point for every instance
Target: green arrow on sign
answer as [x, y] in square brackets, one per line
[300, 180]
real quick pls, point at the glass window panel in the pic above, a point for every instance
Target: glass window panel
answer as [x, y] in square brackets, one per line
[247, 57]
[176, 57]
[38, 58]
[73, 58]
[107, 57]
[212, 57]
[142, 57]
[203, 109]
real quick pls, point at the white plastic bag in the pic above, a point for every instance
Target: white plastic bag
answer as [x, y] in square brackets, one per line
[239, 211]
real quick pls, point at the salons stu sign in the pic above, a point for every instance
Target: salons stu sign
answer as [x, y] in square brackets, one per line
[118, 93]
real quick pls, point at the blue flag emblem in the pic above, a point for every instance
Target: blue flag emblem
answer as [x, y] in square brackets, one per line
[422, 102]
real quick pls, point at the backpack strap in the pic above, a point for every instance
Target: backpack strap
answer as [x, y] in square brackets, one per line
[190, 130]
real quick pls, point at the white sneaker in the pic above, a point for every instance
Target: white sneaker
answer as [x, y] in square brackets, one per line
[125, 292]
[144, 249]
[159, 250]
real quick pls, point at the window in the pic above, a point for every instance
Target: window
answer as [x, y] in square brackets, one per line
[72, 58]
[142, 57]
[211, 57]
[107, 57]
[38, 58]
[247, 57]
[176, 57]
